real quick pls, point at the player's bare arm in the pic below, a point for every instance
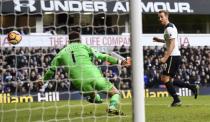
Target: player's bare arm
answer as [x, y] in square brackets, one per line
[156, 39]
[168, 51]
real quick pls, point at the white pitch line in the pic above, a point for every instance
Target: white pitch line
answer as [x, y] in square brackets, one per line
[182, 104]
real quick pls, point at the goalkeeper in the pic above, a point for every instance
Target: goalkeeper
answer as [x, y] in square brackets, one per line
[85, 76]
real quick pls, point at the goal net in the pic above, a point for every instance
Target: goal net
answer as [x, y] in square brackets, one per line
[44, 26]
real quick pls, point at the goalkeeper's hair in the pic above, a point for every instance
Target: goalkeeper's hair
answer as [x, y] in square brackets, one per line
[74, 37]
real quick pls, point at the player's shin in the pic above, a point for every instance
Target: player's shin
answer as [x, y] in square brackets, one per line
[94, 98]
[115, 100]
[170, 87]
[171, 90]
[97, 98]
[182, 84]
[193, 87]
[114, 103]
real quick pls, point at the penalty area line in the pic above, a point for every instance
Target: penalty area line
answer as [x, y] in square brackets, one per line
[182, 104]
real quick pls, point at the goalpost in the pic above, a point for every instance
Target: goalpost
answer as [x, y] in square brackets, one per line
[137, 61]
[24, 63]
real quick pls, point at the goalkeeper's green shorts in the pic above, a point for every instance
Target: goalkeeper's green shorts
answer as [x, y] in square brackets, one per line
[100, 84]
[90, 79]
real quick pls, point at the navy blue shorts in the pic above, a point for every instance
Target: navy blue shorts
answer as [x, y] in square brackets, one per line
[172, 66]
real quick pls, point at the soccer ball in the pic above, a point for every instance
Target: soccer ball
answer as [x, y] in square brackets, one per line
[14, 37]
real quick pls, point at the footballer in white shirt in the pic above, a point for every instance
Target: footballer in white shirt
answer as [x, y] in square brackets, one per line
[172, 59]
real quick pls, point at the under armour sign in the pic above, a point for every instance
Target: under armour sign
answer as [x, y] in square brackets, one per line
[19, 4]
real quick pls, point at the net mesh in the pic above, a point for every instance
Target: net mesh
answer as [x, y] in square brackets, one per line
[22, 65]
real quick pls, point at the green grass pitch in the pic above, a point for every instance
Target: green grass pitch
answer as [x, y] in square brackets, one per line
[157, 110]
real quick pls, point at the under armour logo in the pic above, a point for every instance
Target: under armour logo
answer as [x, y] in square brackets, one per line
[29, 4]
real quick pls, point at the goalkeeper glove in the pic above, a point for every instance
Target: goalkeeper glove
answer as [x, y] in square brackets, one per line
[123, 62]
[42, 86]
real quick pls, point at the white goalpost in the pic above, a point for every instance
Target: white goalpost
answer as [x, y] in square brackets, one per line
[44, 26]
[137, 61]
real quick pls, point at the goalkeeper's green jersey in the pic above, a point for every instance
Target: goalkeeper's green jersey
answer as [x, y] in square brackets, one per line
[77, 61]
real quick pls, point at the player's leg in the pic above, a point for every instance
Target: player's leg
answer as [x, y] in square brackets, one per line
[176, 61]
[168, 74]
[107, 87]
[114, 101]
[100, 84]
[193, 87]
[90, 93]
[171, 90]
[82, 78]
[89, 74]
[93, 97]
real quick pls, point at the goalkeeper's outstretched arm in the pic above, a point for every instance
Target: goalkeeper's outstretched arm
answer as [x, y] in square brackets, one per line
[106, 57]
[50, 73]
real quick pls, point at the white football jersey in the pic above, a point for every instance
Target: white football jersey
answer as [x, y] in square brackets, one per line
[170, 32]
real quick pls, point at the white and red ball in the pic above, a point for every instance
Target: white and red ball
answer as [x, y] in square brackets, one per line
[14, 37]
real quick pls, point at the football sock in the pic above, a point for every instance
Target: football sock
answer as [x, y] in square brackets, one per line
[115, 99]
[97, 97]
[182, 84]
[171, 90]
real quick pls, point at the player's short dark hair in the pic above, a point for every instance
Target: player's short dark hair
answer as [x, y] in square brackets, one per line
[74, 36]
[165, 12]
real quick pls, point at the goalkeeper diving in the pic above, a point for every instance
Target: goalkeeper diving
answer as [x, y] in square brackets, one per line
[84, 74]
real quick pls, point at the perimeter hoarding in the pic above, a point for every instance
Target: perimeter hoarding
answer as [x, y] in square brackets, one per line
[122, 6]
[104, 40]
